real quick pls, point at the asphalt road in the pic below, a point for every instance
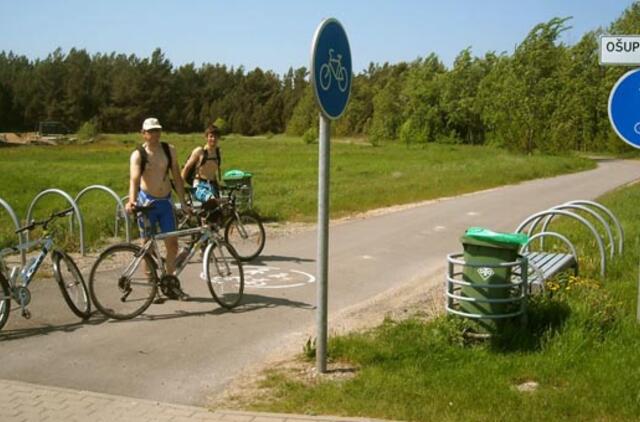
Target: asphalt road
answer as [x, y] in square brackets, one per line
[181, 352]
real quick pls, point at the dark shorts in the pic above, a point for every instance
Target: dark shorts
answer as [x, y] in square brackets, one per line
[161, 215]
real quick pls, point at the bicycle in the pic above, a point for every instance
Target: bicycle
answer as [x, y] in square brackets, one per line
[242, 229]
[14, 282]
[121, 288]
[334, 68]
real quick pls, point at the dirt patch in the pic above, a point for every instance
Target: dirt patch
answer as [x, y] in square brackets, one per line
[420, 298]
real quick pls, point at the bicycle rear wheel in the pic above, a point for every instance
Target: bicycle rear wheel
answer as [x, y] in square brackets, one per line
[246, 235]
[224, 274]
[123, 282]
[72, 285]
[5, 300]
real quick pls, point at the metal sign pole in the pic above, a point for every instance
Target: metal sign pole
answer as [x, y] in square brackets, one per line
[330, 77]
[638, 305]
[324, 147]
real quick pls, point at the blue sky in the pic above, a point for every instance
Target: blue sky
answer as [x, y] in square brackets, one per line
[275, 35]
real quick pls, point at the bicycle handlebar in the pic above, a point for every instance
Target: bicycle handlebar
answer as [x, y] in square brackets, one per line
[46, 221]
[143, 208]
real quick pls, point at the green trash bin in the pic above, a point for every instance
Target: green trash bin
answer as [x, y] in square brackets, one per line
[486, 247]
[244, 195]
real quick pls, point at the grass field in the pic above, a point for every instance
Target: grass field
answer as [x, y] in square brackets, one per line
[285, 174]
[581, 347]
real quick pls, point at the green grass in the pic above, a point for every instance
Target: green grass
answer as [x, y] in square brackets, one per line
[581, 346]
[285, 174]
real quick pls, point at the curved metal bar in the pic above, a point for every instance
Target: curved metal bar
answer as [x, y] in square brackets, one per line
[454, 258]
[119, 211]
[525, 247]
[16, 222]
[115, 196]
[610, 214]
[71, 202]
[612, 245]
[536, 217]
[454, 298]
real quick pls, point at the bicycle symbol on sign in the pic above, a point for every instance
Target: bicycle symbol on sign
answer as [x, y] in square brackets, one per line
[334, 69]
[636, 128]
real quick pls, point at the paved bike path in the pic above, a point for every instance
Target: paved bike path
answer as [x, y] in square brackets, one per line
[182, 352]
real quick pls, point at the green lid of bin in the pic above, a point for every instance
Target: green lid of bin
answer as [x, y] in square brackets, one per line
[486, 235]
[236, 175]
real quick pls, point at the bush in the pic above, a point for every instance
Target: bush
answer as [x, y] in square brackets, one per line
[87, 131]
[310, 136]
[222, 125]
[411, 132]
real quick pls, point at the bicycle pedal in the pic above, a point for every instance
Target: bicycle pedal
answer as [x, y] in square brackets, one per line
[26, 314]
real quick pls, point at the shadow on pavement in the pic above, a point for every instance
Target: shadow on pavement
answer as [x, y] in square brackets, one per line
[254, 302]
[21, 333]
[265, 259]
[250, 302]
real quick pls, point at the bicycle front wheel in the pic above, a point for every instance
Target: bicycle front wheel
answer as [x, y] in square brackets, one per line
[123, 281]
[224, 274]
[5, 300]
[72, 285]
[246, 235]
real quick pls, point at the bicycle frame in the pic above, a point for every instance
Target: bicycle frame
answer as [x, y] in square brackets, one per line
[26, 274]
[335, 64]
[151, 247]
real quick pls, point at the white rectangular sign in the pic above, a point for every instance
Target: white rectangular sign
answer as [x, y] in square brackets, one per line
[620, 49]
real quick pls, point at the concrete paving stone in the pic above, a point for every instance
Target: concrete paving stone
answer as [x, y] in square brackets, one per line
[44, 404]
[237, 418]
[178, 411]
[181, 419]
[9, 411]
[207, 416]
[268, 419]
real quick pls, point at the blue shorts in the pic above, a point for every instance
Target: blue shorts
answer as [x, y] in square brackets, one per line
[161, 215]
[204, 191]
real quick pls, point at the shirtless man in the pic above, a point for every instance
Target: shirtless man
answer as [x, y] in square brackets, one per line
[207, 167]
[153, 184]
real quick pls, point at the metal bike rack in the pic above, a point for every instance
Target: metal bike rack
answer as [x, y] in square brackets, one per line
[524, 250]
[611, 215]
[71, 202]
[119, 206]
[536, 217]
[564, 239]
[454, 284]
[120, 210]
[16, 222]
[597, 216]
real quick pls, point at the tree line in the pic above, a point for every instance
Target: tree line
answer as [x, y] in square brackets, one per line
[543, 96]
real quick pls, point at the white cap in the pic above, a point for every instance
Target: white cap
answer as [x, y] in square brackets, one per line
[151, 123]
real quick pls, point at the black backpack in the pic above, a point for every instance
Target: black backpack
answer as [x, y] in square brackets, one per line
[144, 157]
[191, 175]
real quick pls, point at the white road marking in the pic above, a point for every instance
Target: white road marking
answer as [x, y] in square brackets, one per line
[265, 277]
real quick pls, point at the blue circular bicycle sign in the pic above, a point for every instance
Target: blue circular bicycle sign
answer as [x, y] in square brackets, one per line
[624, 108]
[331, 68]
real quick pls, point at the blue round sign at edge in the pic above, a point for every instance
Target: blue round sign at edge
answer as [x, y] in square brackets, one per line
[624, 108]
[331, 68]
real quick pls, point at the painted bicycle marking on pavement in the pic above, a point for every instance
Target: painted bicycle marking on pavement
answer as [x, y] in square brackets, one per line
[266, 277]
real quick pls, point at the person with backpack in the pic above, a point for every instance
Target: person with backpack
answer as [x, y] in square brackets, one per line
[150, 165]
[201, 172]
